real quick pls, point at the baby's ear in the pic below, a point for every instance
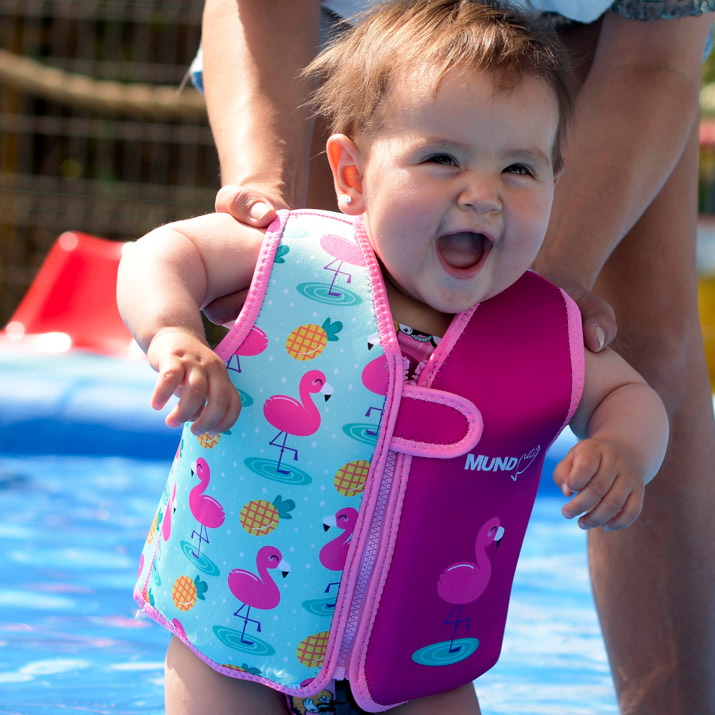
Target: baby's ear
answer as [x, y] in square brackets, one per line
[347, 165]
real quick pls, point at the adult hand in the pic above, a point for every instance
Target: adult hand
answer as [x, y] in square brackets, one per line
[252, 208]
[245, 205]
[597, 317]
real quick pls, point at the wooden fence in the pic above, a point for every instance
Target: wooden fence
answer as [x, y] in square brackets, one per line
[95, 135]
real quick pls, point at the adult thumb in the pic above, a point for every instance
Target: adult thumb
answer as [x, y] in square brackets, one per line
[245, 205]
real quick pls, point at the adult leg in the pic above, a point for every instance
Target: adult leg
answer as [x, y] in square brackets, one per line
[654, 582]
[193, 688]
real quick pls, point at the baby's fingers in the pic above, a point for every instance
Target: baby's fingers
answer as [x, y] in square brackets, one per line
[625, 517]
[222, 408]
[585, 461]
[584, 477]
[599, 502]
[171, 375]
[561, 474]
[575, 470]
[192, 399]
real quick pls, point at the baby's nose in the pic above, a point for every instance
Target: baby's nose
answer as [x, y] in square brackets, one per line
[480, 195]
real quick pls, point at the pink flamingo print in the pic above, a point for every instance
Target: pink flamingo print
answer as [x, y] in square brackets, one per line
[299, 418]
[178, 628]
[166, 520]
[253, 344]
[206, 510]
[333, 554]
[463, 583]
[374, 377]
[166, 523]
[342, 251]
[257, 590]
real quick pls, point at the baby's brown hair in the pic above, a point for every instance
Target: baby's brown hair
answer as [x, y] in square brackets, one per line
[398, 38]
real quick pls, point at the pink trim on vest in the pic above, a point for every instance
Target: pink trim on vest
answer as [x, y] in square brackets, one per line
[578, 366]
[257, 291]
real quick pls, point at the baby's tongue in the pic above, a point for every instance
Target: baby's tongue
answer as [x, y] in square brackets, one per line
[461, 250]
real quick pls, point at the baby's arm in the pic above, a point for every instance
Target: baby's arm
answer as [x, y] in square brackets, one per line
[164, 280]
[624, 429]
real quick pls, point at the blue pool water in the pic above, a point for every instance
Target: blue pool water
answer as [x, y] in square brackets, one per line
[73, 526]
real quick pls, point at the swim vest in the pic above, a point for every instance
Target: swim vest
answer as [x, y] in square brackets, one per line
[372, 535]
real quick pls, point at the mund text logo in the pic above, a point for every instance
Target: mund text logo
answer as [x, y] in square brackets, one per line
[513, 465]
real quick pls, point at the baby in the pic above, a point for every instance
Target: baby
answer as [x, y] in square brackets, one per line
[451, 369]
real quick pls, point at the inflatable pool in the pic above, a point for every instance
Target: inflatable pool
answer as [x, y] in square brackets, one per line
[81, 404]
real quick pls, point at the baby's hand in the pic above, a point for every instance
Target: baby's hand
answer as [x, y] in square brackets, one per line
[610, 486]
[188, 368]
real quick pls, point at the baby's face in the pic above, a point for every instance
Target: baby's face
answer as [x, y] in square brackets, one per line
[458, 186]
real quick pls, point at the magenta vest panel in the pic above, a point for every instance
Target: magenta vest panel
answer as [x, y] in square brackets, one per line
[436, 606]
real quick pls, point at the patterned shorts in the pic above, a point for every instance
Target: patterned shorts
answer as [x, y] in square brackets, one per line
[336, 699]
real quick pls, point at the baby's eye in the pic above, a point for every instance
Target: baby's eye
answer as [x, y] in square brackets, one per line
[444, 159]
[519, 169]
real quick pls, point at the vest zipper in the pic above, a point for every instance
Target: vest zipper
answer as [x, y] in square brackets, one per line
[367, 566]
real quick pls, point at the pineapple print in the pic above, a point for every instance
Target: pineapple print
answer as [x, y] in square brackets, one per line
[208, 441]
[308, 341]
[152, 530]
[351, 477]
[259, 517]
[245, 668]
[281, 253]
[311, 651]
[186, 592]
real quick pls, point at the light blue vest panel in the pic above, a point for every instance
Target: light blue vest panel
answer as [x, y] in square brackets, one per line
[278, 493]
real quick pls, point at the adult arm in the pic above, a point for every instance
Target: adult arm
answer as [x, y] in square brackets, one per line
[635, 111]
[253, 54]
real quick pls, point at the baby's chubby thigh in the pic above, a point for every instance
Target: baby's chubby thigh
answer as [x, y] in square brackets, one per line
[191, 687]
[194, 688]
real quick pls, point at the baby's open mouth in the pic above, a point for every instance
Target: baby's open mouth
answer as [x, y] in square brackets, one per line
[463, 249]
